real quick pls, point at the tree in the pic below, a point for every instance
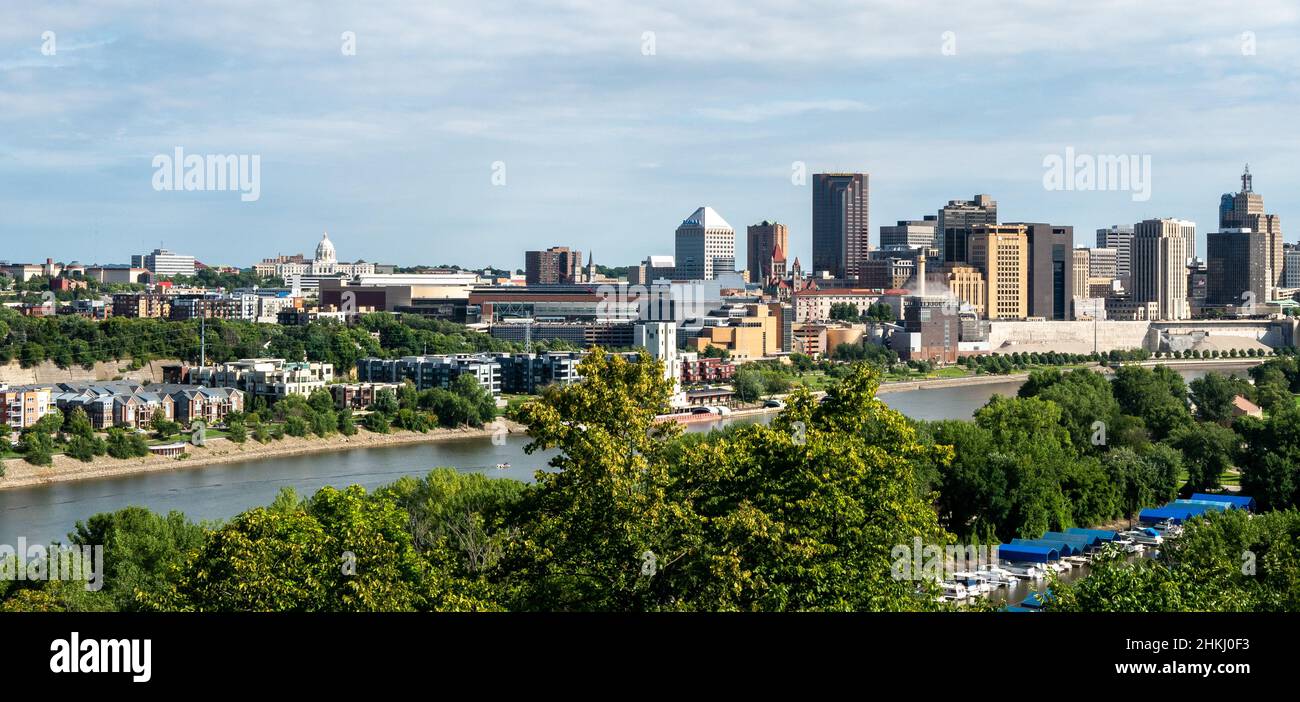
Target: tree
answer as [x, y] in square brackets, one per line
[748, 385]
[1084, 397]
[340, 551]
[124, 444]
[37, 447]
[1156, 396]
[78, 424]
[1213, 394]
[587, 525]
[845, 312]
[712, 351]
[377, 423]
[1270, 457]
[347, 425]
[801, 514]
[386, 403]
[459, 522]
[1209, 450]
[141, 549]
[236, 431]
[1204, 570]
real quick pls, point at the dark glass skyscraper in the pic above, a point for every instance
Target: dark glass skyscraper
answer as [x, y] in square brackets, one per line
[841, 232]
[955, 221]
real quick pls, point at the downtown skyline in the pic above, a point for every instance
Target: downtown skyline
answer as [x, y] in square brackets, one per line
[605, 147]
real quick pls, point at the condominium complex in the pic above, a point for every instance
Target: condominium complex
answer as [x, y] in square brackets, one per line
[271, 378]
[841, 233]
[706, 246]
[21, 407]
[557, 265]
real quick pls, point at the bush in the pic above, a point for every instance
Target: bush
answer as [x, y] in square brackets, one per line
[377, 422]
[123, 444]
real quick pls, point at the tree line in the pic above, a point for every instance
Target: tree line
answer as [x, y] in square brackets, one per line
[632, 515]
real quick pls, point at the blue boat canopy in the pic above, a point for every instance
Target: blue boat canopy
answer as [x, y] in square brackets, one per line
[1101, 534]
[1065, 548]
[1087, 540]
[1240, 501]
[1026, 553]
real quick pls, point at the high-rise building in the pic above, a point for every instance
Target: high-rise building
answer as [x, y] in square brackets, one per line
[1159, 263]
[1120, 238]
[557, 265]
[1103, 263]
[164, 263]
[1051, 270]
[1245, 210]
[1082, 271]
[841, 228]
[1001, 253]
[954, 223]
[1237, 268]
[764, 244]
[1291, 266]
[706, 246]
[909, 233]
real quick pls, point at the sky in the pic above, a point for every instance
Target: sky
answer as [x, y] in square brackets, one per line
[464, 133]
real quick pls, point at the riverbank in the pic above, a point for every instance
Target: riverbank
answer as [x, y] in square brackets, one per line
[19, 473]
[988, 379]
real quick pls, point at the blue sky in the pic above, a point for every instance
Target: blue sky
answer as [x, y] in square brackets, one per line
[607, 148]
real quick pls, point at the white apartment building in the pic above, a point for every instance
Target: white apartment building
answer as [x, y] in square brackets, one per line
[272, 378]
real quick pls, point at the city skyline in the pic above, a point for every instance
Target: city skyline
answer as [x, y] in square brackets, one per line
[394, 147]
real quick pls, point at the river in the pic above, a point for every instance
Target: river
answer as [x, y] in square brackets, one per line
[48, 512]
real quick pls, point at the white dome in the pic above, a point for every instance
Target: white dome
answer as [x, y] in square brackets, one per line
[325, 250]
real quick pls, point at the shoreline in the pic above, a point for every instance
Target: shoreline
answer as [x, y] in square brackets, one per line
[21, 474]
[987, 379]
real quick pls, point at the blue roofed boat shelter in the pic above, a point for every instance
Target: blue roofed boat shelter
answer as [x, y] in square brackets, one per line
[1027, 553]
[1239, 501]
[1101, 534]
[1065, 548]
[1085, 541]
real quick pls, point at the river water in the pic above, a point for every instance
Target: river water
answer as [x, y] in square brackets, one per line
[47, 513]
